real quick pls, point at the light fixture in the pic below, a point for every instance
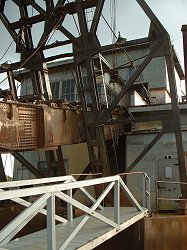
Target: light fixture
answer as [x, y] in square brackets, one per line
[5, 65]
[120, 40]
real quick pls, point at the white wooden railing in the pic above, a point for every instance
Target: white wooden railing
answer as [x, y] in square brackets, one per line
[46, 190]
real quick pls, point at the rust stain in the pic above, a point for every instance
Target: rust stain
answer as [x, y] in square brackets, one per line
[166, 233]
[29, 127]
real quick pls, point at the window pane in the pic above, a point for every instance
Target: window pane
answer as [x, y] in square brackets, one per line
[42, 165]
[68, 90]
[55, 89]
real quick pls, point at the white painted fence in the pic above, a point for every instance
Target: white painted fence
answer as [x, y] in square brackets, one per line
[47, 189]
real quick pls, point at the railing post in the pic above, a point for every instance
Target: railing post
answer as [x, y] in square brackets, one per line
[156, 187]
[149, 194]
[69, 206]
[144, 190]
[51, 231]
[117, 202]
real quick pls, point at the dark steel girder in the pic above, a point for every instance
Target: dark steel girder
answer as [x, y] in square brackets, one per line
[60, 8]
[150, 14]
[37, 7]
[57, 44]
[60, 2]
[71, 37]
[145, 151]
[52, 20]
[71, 8]
[18, 2]
[27, 29]
[2, 5]
[176, 119]
[50, 24]
[27, 164]
[184, 31]
[30, 21]
[55, 162]
[6, 23]
[97, 15]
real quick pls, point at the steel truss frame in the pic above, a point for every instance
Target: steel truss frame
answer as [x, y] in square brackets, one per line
[84, 48]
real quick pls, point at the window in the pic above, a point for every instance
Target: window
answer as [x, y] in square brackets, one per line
[42, 165]
[70, 93]
[109, 92]
[55, 86]
[101, 93]
[68, 90]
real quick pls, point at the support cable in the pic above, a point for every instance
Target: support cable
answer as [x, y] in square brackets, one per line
[75, 22]
[112, 29]
[129, 58]
[6, 50]
[108, 25]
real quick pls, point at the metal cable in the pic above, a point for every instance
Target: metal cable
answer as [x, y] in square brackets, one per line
[75, 22]
[7, 50]
[108, 25]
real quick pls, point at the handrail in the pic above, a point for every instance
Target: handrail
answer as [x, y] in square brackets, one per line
[172, 182]
[39, 181]
[46, 194]
[146, 184]
[164, 198]
[88, 174]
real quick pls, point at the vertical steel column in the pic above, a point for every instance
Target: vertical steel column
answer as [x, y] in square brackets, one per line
[168, 53]
[184, 31]
[176, 120]
[2, 171]
[12, 84]
[55, 162]
[94, 134]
